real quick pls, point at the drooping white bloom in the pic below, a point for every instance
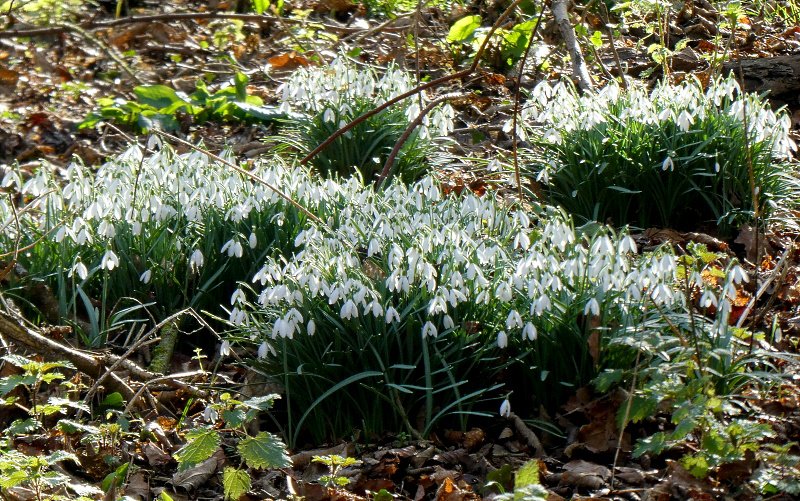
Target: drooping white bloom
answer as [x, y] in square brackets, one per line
[265, 349]
[593, 307]
[79, 269]
[145, 277]
[529, 332]
[505, 409]
[392, 315]
[513, 320]
[739, 275]
[349, 310]
[225, 348]
[311, 327]
[502, 339]
[109, 261]
[447, 322]
[210, 414]
[429, 330]
[253, 240]
[196, 261]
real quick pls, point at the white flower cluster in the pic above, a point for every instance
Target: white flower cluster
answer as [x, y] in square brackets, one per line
[449, 261]
[558, 108]
[321, 90]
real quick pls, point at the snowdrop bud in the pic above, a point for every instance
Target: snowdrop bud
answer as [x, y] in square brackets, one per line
[505, 408]
[225, 348]
[196, 261]
[253, 241]
[311, 328]
[447, 322]
[145, 277]
[502, 339]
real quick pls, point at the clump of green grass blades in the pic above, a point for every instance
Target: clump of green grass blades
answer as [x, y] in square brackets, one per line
[677, 156]
[324, 99]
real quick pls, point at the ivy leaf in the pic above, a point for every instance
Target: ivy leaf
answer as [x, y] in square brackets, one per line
[235, 482]
[463, 29]
[202, 442]
[265, 450]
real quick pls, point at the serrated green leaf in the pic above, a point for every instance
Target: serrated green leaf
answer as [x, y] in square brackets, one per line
[13, 479]
[528, 474]
[202, 443]
[262, 403]
[234, 418]
[8, 384]
[57, 456]
[17, 360]
[235, 482]
[463, 29]
[69, 426]
[23, 426]
[265, 450]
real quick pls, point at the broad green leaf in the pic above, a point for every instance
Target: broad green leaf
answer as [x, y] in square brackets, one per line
[115, 478]
[164, 496]
[23, 426]
[234, 418]
[528, 474]
[202, 442]
[13, 479]
[260, 6]
[383, 495]
[157, 96]
[8, 384]
[57, 456]
[69, 426]
[463, 29]
[113, 400]
[235, 482]
[262, 403]
[265, 450]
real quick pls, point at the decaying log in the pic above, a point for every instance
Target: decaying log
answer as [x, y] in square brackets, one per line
[778, 75]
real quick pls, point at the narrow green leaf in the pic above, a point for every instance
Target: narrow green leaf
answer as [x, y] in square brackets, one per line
[260, 6]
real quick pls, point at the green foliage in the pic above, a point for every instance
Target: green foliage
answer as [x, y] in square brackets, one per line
[34, 375]
[505, 49]
[235, 483]
[201, 443]
[526, 486]
[335, 463]
[675, 157]
[163, 108]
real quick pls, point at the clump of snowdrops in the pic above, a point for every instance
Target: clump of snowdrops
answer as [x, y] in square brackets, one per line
[415, 308]
[675, 156]
[158, 232]
[324, 99]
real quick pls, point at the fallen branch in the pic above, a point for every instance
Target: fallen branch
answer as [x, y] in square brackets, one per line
[579, 70]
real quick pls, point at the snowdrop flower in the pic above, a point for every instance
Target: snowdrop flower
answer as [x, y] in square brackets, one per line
[739, 275]
[513, 320]
[529, 332]
[225, 348]
[668, 164]
[145, 277]
[502, 340]
[253, 240]
[233, 248]
[708, 299]
[311, 327]
[392, 315]
[503, 292]
[429, 330]
[349, 310]
[109, 261]
[238, 296]
[196, 261]
[505, 409]
[593, 307]
[447, 322]
[79, 269]
[210, 414]
[685, 120]
[264, 350]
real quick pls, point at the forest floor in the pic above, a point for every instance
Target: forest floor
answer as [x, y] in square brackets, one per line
[56, 65]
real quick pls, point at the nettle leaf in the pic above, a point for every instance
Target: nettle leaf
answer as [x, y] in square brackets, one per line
[17, 360]
[69, 426]
[265, 450]
[262, 403]
[23, 426]
[463, 29]
[8, 384]
[234, 418]
[528, 474]
[235, 482]
[202, 442]
[13, 479]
